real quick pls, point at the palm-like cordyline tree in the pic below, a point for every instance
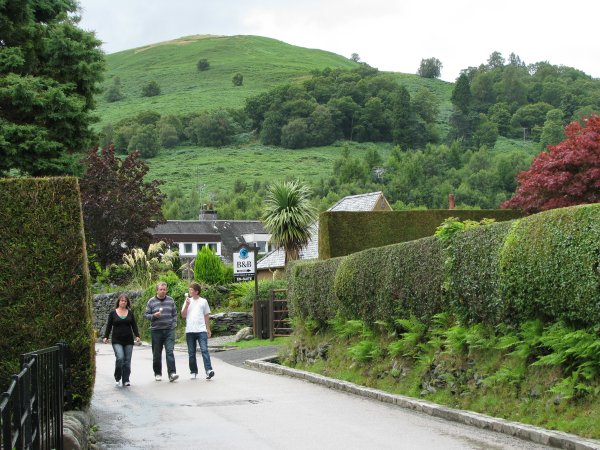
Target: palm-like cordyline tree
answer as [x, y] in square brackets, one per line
[288, 216]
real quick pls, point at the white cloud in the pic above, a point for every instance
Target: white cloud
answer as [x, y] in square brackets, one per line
[386, 34]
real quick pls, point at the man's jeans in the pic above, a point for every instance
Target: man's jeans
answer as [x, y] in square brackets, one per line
[202, 339]
[160, 339]
[123, 361]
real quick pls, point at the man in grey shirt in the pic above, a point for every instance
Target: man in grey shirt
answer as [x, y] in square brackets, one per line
[161, 311]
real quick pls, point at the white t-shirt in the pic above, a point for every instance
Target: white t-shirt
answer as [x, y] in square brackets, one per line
[194, 321]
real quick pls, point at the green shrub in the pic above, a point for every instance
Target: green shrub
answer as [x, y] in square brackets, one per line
[412, 280]
[472, 273]
[310, 292]
[45, 294]
[549, 266]
[208, 267]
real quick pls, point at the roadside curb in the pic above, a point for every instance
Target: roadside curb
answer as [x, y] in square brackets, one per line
[531, 433]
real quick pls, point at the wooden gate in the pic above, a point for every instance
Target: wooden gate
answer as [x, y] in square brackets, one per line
[278, 314]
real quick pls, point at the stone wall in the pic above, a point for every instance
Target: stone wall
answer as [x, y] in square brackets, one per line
[104, 303]
[222, 323]
[230, 323]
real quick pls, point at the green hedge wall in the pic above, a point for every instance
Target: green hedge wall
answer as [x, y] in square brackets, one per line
[550, 266]
[45, 292]
[544, 266]
[472, 282]
[310, 290]
[342, 233]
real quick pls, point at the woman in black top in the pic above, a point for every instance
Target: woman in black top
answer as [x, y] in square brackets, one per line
[122, 323]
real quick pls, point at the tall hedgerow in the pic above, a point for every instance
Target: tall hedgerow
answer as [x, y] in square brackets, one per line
[45, 292]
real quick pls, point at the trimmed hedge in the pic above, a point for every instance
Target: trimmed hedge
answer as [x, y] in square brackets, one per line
[472, 273]
[338, 230]
[550, 266]
[414, 277]
[45, 292]
[545, 266]
[310, 290]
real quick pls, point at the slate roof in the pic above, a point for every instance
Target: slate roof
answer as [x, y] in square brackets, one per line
[361, 202]
[228, 232]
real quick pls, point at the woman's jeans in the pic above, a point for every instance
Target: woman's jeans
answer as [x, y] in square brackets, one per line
[202, 339]
[160, 339]
[123, 361]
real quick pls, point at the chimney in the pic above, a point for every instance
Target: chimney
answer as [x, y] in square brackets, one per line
[208, 214]
[450, 200]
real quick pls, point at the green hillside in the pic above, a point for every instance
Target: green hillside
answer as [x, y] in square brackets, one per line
[263, 62]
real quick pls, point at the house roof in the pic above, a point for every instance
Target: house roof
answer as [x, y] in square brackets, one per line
[229, 232]
[362, 202]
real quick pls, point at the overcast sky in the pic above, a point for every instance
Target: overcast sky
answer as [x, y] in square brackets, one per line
[390, 35]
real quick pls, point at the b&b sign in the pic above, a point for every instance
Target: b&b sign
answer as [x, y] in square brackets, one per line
[244, 264]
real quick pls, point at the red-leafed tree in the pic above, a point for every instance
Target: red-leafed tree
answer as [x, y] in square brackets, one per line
[118, 205]
[567, 174]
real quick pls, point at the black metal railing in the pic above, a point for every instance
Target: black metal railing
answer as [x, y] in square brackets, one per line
[31, 410]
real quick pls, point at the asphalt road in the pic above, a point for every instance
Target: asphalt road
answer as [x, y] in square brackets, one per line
[242, 408]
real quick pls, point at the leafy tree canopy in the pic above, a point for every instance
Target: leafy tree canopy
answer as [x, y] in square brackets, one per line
[430, 68]
[568, 174]
[118, 206]
[49, 72]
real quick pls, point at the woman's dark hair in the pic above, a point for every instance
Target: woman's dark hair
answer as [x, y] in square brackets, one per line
[196, 286]
[119, 299]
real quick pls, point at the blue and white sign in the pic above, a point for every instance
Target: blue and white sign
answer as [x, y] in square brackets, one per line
[244, 265]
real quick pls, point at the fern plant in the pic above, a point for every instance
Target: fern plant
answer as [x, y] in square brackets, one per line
[365, 350]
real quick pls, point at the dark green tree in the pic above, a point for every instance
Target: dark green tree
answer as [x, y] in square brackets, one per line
[213, 129]
[50, 71]
[238, 79]
[461, 95]
[553, 131]
[430, 68]
[145, 141]
[114, 92]
[150, 89]
[202, 65]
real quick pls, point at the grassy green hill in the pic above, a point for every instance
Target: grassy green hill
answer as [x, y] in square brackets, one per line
[186, 168]
[263, 62]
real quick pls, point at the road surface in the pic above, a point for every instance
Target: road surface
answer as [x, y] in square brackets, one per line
[245, 409]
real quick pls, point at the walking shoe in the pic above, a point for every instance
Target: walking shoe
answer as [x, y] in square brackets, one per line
[193, 376]
[158, 377]
[117, 383]
[210, 374]
[173, 377]
[127, 383]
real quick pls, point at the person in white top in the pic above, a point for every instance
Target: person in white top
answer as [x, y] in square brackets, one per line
[196, 312]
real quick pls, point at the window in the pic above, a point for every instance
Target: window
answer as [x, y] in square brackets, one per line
[263, 246]
[214, 246]
[188, 249]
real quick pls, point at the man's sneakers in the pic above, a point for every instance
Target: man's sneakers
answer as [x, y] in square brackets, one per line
[193, 376]
[117, 383]
[158, 377]
[127, 384]
[173, 377]
[210, 374]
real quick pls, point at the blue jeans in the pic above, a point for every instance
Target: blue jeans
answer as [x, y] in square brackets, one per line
[202, 339]
[160, 339]
[123, 361]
